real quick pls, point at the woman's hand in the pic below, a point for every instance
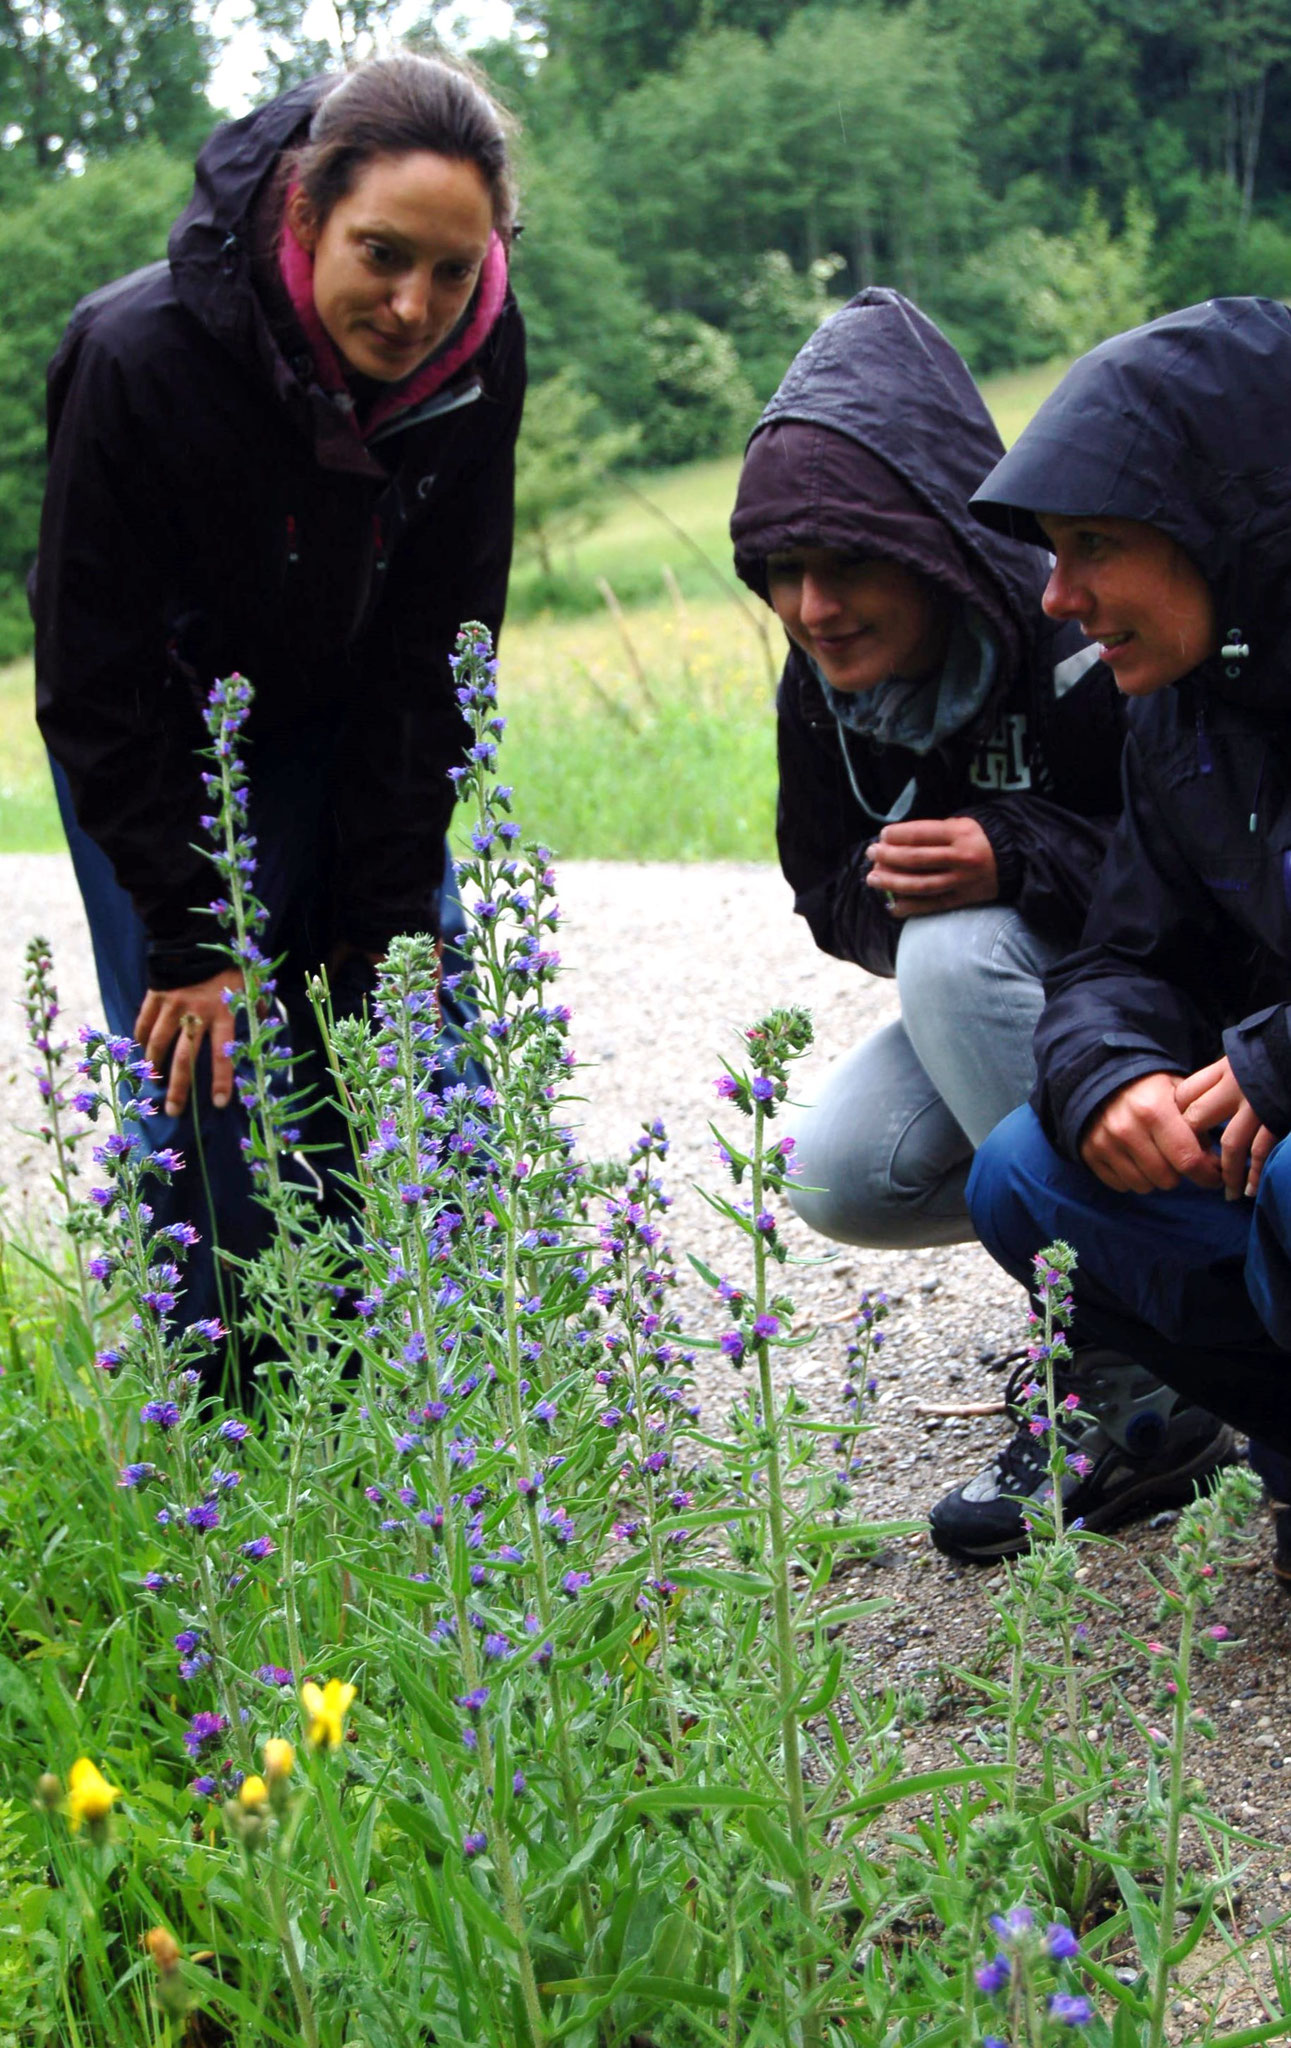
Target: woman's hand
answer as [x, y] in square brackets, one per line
[1140, 1140]
[1210, 1100]
[930, 864]
[182, 1016]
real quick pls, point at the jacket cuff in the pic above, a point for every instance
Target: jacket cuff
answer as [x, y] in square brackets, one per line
[1008, 861]
[1089, 1096]
[1259, 1053]
[183, 966]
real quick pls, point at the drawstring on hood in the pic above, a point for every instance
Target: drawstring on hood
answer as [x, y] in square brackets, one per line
[918, 715]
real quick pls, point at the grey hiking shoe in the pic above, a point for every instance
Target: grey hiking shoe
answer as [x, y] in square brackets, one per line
[1141, 1447]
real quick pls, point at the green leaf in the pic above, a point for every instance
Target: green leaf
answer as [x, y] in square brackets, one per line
[828, 1686]
[478, 1909]
[775, 1844]
[713, 1798]
[755, 1584]
[1180, 1950]
[921, 1781]
[1141, 1919]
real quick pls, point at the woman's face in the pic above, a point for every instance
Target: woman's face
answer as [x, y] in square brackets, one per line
[1132, 588]
[397, 259]
[860, 621]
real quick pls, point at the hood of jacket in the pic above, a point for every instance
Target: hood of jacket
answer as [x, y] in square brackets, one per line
[1183, 423]
[875, 441]
[212, 245]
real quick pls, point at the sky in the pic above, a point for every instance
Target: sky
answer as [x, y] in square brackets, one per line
[233, 81]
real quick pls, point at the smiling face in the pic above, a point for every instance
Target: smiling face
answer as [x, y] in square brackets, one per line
[860, 621]
[1133, 589]
[397, 259]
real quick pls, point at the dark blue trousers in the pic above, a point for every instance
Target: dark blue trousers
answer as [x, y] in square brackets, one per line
[289, 814]
[1196, 1288]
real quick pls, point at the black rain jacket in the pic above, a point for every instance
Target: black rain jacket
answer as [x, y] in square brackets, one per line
[1186, 424]
[1039, 767]
[211, 508]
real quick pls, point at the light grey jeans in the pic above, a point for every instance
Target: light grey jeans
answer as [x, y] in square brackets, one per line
[884, 1151]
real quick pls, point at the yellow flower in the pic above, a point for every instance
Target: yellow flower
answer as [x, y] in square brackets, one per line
[327, 1707]
[253, 1791]
[279, 1758]
[89, 1795]
[163, 1948]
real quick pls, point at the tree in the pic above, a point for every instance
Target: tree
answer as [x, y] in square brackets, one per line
[83, 79]
[562, 464]
[610, 50]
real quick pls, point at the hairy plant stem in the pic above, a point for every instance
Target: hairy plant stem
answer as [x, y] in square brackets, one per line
[784, 1641]
[1174, 1824]
[559, 1707]
[652, 1509]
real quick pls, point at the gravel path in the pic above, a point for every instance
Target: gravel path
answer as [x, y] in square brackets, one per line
[664, 964]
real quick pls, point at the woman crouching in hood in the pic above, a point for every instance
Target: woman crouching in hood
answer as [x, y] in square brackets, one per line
[1159, 472]
[949, 776]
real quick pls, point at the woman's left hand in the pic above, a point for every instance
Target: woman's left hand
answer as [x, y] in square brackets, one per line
[1210, 1100]
[925, 865]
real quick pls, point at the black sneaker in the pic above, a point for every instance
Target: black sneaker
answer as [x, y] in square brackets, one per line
[1282, 1545]
[1141, 1447]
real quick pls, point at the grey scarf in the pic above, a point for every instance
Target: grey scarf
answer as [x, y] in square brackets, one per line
[919, 715]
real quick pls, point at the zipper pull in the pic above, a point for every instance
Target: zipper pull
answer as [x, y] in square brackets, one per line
[378, 542]
[293, 553]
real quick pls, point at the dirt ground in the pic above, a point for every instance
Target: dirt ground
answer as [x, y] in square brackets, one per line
[664, 964]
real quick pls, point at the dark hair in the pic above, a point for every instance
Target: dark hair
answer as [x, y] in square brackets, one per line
[394, 105]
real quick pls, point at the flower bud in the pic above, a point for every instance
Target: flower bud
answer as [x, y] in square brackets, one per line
[49, 1791]
[279, 1758]
[163, 1948]
[253, 1792]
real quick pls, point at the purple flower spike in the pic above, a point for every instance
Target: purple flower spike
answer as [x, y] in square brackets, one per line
[1061, 1942]
[474, 1844]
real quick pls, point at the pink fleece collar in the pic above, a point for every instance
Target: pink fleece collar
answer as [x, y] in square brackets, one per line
[297, 268]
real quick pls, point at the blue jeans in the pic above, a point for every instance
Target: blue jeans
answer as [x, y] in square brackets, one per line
[1195, 1287]
[884, 1151]
[289, 816]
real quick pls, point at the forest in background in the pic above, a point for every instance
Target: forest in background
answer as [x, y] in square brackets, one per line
[702, 179]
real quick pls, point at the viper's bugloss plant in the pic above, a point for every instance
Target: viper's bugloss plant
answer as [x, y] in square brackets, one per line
[473, 1685]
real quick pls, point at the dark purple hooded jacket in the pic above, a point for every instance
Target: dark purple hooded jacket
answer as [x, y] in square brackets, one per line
[874, 443]
[1186, 425]
[212, 508]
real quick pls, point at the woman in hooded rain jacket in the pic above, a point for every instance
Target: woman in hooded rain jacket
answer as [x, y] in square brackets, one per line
[949, 776]
[286, 451]
[1160, 473]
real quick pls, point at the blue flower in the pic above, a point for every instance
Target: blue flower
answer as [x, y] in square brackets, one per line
[1070, 2010]
[993, 1976]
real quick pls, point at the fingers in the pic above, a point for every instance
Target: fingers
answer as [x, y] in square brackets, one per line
[1189, 1091]
[180, 1080]
[221, 1061]
[1235, 1151]
[1139, 1141]
[1261, 1145]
